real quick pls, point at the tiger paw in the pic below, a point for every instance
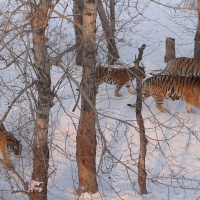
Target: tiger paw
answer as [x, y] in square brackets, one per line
[118, 95]
[131, 105]
[164, 110]
[191, 111]
[133, 92]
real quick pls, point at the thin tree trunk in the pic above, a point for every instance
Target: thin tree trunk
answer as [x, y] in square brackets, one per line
[143, 143]
[197, 36]
[78, 19]
[39, 22]
[109, 30]
[86, 135]
[113, 54]
[143, 140]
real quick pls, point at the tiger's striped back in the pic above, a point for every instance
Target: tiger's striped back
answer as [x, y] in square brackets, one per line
[119, 77]
[162, 87]
[182, 67]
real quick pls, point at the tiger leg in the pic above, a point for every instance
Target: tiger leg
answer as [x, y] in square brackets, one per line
[128, 86]
[145, 95]
[118, 87]
[193, 100]
[159, 104]
[189, 108]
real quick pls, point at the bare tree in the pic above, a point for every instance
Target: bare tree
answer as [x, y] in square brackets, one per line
[78, 22]
[108, 24]
[29, 49]
[143, 140]
[197, 36]
[86, 135]
[39, 18]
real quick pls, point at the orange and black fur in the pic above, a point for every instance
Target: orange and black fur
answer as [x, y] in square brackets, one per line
[162, 87]
[182, 67]
[119, 77]
[8, 142]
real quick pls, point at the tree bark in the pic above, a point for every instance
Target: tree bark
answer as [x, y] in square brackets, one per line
[197, 36]
[170, 49]
[113, 54]
[109, 30]
[78, 19]
[143, 143]
[86, 135]
[39, 22]
[143, 140]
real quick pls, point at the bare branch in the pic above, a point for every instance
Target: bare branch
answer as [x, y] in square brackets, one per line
[25, 184]
[14, 101]
[139, 58]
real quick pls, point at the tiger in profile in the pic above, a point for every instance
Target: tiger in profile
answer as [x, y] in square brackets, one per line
[182, 67]
[8, 143]
[119, 77]
[162, 87]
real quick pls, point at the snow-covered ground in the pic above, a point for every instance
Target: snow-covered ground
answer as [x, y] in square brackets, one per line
[173, 160]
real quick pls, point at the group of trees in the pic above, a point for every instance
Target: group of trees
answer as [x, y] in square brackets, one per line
[34, 37]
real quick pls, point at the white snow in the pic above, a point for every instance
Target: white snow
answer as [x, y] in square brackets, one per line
[172, 161]
[35, 186]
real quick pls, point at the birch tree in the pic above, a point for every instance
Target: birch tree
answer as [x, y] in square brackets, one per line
[39, 18]
[32, 21]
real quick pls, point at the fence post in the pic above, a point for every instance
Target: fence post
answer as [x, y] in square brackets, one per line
[170, 49]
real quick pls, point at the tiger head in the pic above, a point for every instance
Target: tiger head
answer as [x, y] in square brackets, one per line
[14, 144]
[17, 149]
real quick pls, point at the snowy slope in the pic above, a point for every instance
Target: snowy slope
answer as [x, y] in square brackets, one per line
[172, 160]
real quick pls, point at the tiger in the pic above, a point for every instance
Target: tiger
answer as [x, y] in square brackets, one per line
[119, 77]
[162, 87]
[182, 66]
[8, 143]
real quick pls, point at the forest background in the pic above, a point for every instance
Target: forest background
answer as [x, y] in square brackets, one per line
[39, 77]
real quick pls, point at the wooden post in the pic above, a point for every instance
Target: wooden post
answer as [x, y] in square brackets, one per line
[170, 49]
[142, 175]
[143, 140]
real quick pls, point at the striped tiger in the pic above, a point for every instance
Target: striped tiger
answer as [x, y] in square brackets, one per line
[8, 143]
[119, 77]
[162, 87]
[182, 67]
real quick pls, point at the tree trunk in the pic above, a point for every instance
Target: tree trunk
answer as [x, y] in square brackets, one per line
[109, 30]
[39, 22]
[143, 143]
[197, 36]
[78, 19]
[170, 49]
[113, 54]
[86, 135]
[143, 140]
